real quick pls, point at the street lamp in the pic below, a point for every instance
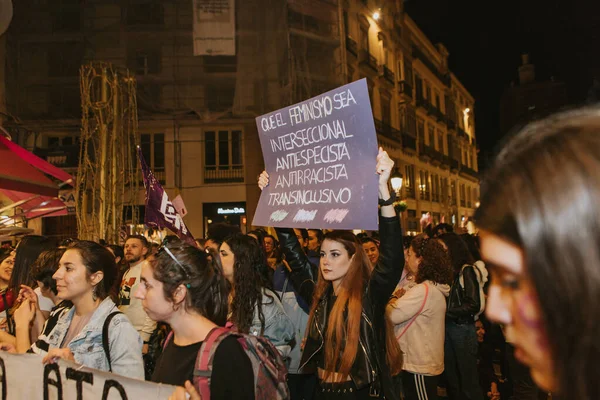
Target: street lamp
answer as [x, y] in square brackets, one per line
[396, 180]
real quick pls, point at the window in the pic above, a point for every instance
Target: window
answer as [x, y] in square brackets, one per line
[469, 203]
[463, 196]
[346, 30]
[364, 38]
[64, 59]
[444, 191]
[435, 194]
[219, 97]
[223, 160]
[421, 130]
[144, 62]
[386, 110]
[413, 222]
[64, 101]
[437, 101]
[153, 150]
[408, 73]
[418, 87]
[428, 92]
[409, 181]
[440, 141]
[453, 192]
[145, 13]
[431, 135]
[424, 192]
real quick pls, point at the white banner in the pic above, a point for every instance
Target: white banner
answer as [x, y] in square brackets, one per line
[214, 27]
[23, 376]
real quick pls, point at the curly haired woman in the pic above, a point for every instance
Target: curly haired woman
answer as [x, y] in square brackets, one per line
[420, 316]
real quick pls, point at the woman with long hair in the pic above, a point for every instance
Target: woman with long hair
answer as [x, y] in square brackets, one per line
[461, 345]
[7, 262]
[85, 275]
[185, 288]
[419, 318]
[349, 342]
[253, 306]
[539, 227]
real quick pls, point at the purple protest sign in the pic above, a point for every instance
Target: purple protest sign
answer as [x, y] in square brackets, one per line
[320, 156]
[160, 212]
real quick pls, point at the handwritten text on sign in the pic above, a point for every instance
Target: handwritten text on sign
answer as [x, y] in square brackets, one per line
[23, 376]
[320, 156]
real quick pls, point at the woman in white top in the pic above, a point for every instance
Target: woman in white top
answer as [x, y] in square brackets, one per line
[419, 318]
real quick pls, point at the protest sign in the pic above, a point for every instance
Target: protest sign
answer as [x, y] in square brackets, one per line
[160, 211]
[320, 156]
[23, 376]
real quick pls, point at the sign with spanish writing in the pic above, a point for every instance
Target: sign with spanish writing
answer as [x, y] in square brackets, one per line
[214, 27]
[23, 376]
[321, 156]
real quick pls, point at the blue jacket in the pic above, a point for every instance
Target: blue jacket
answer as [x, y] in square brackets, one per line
[125, 343]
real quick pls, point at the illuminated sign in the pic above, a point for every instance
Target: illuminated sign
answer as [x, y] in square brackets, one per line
[235, 210]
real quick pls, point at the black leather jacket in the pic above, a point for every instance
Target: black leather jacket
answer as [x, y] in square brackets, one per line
[370, 366]
[464, 303]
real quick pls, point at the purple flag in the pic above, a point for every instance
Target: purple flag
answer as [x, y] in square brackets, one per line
[160, 212]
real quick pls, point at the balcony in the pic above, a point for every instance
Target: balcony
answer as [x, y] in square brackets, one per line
[387, 74]
[422, 102]
[351, 46]
[450, 123]
[365, 58]
[388, 131]
[453, 165]
[438, 114]
[436, 156]
[444, 78]
[405, 88]
[469, 172]
[64, 157]
[409, 142]
[462, 133]
[223, 173]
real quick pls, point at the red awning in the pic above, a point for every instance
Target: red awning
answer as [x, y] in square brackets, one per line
[22, 180]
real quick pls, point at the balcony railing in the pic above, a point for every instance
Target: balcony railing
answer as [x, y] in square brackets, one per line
[63, 157]
[405, 88]
[351, 45]
[388, 75]
[444, 78]
[462, 133]
[409, 142]
[422, 102]
[450, 123]
[439, 115]
[453, 164]
[388, 131]
[223, 173]
[469, 171]
[364, 57]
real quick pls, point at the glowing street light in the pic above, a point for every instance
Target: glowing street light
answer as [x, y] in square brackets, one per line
[376, 15]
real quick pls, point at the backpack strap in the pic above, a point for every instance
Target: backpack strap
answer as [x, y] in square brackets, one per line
[202, 372]
[167, 339]
[417, 314]
[105, 336]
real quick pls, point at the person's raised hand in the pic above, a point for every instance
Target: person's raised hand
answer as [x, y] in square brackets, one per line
[187, 393]
[263, 180]
[384, 166]
[25, 313]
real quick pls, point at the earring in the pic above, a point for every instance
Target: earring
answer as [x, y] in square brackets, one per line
[94, 295]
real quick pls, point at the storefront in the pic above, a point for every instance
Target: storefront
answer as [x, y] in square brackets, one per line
[231, 213]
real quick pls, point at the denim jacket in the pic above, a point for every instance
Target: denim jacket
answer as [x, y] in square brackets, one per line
[125, 343]
[279, 328]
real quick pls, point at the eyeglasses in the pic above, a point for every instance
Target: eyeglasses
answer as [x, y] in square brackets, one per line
[166, 250]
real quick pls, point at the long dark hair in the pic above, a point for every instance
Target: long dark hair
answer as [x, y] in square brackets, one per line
[29, 249]
[435, 265]
[543, 196]
[206, 287]
[96, 258]
[458, 251]
[250, 277]
[45, 266]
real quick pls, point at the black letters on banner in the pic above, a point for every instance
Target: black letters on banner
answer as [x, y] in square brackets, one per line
[3, 379]
[80, 377]
[111, 383]
[54, 382]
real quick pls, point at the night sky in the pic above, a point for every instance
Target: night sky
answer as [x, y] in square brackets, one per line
[486, 39]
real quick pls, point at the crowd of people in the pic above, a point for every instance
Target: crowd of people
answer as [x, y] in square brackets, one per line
[507, 314]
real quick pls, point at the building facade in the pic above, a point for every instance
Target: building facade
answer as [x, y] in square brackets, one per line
[197, 113]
